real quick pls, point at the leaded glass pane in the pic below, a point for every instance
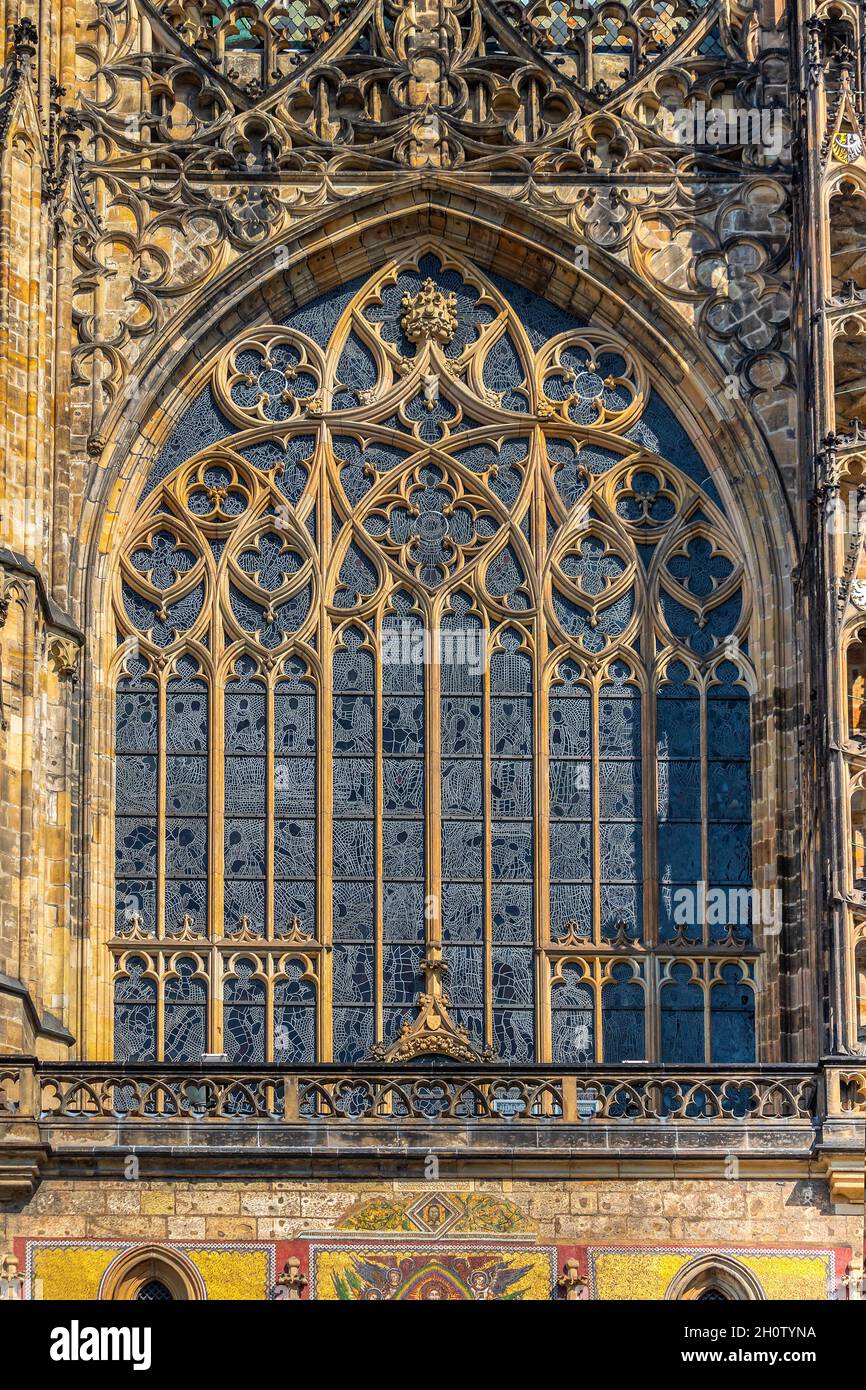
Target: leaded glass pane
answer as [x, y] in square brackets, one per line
[461, 664]
[244, 1015]
[135, 1014]
[682, 1018]
[185, 1014]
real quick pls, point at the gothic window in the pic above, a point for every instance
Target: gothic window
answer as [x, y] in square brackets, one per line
[433, 700]
[855, 665]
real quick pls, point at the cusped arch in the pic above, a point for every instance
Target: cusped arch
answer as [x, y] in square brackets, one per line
[603, 423]
[718, 1274]
[130, 1273]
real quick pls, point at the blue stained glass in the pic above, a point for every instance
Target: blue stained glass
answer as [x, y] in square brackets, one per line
[354, 786]
[503, 373]
[642, 504]
[732, 1018]
[700, 570]
[357, 579]
[186, 725]
[294, 898]
[361, 464]
[244, 899]
[461, 787]
[244, 1016]
[679, 853]
[511, 726]
[473, 744]
[287, 617]
[186, 848]
[402, 980]
[186, 785]
[507, 581]
[461, 726]
[705, 630]
[514, 1034]
[539, 317]
[245, 720]
[135, 852]
[179, 616]
[513, 976]
[622, 903]
[619, 791]
[682, 1018]
[570, 909]
[512, 914]
[593, 567]
[730, 853]
[202, 423]
[318, 318]
[465, 979]
[135, 1014]
[353, 1032]
[511, 852]
[135, 904]
[570, 851]
[356, 372]
[389, 311]
[245, 848]
[403, 916]
[570, 786]
[137, 716]
[294, 1017]
[271, 562]
[294, 722]
[462, 913]
[402, 726]
[185, 1014]
[622, 1011]
[621, 852]
[403, 786]
[573, 1019]
[508, 475]
[135, 785]
[291, 460]
[679, 788]
[353, 974]
[294, 848]
[610, 622]
[164, 561]
[729, 791]
[353, 912]
[462, 850]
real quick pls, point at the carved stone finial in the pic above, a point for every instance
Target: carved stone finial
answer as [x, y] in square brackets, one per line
[572, 1282]
[25, 40]
[292, 1280]
[11, 1282]
[433, 1032]
[429, 315]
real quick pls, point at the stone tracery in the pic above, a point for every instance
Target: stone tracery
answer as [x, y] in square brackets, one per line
[418, 461]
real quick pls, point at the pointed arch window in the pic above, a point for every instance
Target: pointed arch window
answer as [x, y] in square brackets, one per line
[432, 700]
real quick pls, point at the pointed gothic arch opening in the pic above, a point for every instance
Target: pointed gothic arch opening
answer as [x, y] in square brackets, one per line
[715, 1277]
[152, 1274]
[433, 654]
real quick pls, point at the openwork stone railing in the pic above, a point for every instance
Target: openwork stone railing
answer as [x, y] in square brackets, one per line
[79, 1094]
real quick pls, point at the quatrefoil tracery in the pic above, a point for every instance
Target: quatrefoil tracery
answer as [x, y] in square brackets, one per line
[430, 462]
